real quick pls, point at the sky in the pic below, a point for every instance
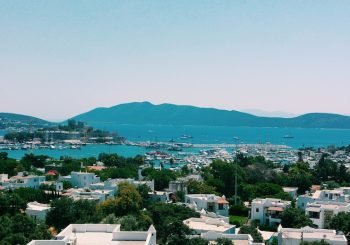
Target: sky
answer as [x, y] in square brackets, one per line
[60, 58]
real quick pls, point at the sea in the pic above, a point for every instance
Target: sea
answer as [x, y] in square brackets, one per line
[298, 137]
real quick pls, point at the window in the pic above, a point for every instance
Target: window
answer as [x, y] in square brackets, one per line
[257, 210]
[221, 206]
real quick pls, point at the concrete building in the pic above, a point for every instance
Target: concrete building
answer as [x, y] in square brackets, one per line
[337, 195]
[100, 234]
[37, 211]
[112, 184]
[290, 236]
[87, 194]
[21, 181]
[292, 191]
[205, 224]
[160, 196]
[81, 179]
[267, 211]
[321, 213]
[208, 202]
[237, 239]
[177, 185]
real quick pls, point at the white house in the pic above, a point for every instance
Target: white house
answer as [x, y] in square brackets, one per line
[321, 213]
[205, 224]
[87, 194]
[208, 202]
[292, 191]
[21, 181]
[81, 179]
[37, 210]
[337, 195]
[293, 236]
[112, 184]
[237, 239]
[268, 211]
[92, 234]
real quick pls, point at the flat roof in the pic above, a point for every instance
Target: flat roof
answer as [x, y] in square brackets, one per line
[96, 238]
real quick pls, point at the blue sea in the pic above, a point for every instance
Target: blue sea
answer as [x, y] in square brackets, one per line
[302, 137]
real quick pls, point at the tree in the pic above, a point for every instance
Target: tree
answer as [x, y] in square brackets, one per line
[65, 211]
[294, 218]
[341, 222]
[176, 233]
[322, 242]
[198, 241]
[164, 214]
[197, 187]
[249, 229]
[223, 241]
[128, 199]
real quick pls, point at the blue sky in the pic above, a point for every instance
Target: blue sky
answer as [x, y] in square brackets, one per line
[60, 58]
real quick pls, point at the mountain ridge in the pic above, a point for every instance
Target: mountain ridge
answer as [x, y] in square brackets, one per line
[171, 114]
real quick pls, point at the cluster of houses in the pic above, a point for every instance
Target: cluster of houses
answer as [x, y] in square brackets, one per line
[213, 223]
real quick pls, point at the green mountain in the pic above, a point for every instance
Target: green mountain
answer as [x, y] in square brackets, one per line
[22, 118]
[169, 114]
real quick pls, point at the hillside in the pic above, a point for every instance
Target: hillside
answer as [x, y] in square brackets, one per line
[169, 114]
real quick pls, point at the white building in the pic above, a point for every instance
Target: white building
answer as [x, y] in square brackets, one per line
[112, 184]
[321, 213]
[81, 179]
[290, 236]
[100, 234]
[237, 239]
[21, 181]
[160, 196]
[37, 211]
[87, 194]
[292, 191]
[177, 185]
[337, 195]
[268, 211]
[208, 202]
[205, 224]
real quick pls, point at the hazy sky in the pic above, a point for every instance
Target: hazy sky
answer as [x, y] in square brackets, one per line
[60, 58]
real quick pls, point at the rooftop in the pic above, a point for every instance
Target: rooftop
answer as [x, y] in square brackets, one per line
[96, 234]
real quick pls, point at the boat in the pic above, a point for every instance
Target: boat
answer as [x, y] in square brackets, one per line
[287, 136]
[185, 137]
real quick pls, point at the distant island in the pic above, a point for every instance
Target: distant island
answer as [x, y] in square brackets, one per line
[142, 113]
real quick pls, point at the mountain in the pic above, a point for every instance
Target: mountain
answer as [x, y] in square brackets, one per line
[261, 113]
[169, 114]
[22, 118]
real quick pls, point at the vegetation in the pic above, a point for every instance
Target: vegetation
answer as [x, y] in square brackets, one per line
[294, 218]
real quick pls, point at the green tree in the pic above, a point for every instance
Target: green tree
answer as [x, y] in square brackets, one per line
[223, 241]
[249, 229]
[294, 218]
[341, 222]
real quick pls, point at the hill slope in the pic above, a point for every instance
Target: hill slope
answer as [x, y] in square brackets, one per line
[22, 118]
[169, 114]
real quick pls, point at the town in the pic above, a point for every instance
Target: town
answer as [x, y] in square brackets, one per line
[243, 198]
